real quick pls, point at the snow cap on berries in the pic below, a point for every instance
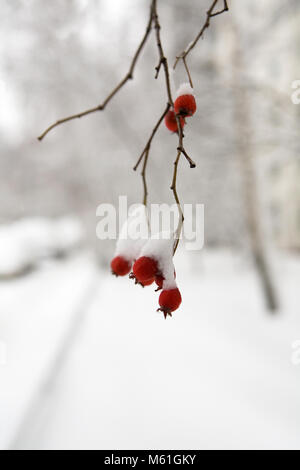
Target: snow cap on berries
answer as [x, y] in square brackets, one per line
[185, 103]
[161, 249]
[184, 89]
[144, 269]
[134, 234]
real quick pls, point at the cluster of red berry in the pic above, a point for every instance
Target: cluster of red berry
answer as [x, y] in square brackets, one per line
[184, 106]
[152, 262]
[145, 271]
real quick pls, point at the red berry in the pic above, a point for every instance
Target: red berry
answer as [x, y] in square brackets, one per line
[144, 283]
[144, 269]
[148, 282]
[120, 266]
[159, 280]
[185, 105]
[171, 123]
[169, 300]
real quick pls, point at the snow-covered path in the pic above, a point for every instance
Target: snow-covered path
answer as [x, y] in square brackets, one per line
[39, 315]
[217, 375]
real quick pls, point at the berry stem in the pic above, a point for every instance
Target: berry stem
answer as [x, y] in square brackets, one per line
[144, 177]
[176, 197]
[148, 144]
[187, 71]
[145, 154]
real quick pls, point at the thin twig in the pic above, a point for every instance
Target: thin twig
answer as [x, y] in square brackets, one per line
[127, 77]
[148, 144]
[174, 189]
[209, 14]
[187, 71]
[225, 8]
[143, 174]
[191, 162]
[145, 154]
[163, 61]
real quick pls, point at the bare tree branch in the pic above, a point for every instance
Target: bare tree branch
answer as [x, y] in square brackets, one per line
[191, 162]
[144, 177]
[127, 77]
[187, 71]
[209, 14]
[176, 197]
[225, 8]
[145, 154]
[162, 63]
[162, 58]
[148, 144]
[180, 149]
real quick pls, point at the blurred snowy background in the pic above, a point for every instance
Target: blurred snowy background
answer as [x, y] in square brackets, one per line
[85, 362]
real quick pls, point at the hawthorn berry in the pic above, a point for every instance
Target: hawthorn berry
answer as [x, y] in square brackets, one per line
[171, 123]
[169, 301]
[159, 279]
[185, 105]
[144, 283]
[120, 266]
[144, 269]
[147, 283]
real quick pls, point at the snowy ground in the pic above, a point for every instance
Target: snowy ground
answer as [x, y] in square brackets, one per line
[91, 365]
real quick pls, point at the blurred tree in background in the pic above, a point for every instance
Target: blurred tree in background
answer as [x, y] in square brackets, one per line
[61, 57]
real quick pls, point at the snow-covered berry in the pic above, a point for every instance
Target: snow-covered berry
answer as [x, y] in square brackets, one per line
[171, 123]
[148, 282]
[159, 279]
[160, 248]
[145, 268]
[169, 301]
[185, 103]
[144, 283]
[129, 245]
[120, 266]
